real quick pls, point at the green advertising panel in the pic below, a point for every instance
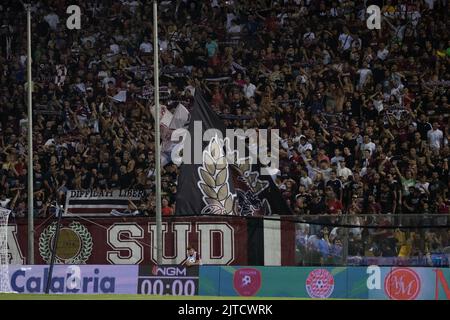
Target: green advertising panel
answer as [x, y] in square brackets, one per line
[372, 282]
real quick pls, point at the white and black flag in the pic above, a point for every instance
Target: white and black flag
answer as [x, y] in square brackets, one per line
[212, 184]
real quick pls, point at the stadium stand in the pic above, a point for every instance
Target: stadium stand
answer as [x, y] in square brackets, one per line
[363, 114]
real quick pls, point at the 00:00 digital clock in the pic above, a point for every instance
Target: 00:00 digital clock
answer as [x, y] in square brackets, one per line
[164, 286]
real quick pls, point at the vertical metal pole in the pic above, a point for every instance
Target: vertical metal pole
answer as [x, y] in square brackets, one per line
[157, 134]
[54, 247]
[345, 240]
[30, 257]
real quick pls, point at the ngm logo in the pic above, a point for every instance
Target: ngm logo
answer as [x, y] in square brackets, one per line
[168, 271]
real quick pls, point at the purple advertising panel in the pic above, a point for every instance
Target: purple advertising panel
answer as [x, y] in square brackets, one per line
[73, 279]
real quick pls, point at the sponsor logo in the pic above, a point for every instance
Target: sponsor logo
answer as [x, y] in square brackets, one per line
[168, 271]
[320, 284]
[402, 284]
[74, 244]
[28, 280]
[247, 281]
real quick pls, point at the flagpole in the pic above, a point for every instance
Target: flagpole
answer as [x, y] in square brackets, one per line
[157, 134]
[30, 256]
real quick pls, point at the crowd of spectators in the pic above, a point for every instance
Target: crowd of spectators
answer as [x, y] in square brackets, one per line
[363, 114]
[359, 245]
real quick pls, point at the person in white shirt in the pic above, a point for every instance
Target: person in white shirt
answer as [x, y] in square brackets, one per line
[230, 17]
[163, 43]
[106, 80]
[423, 185]
[146, 46]
[430, 4]
[132, 4]
[305, 180]
[345, 39]
[326, 57]
[342, 171]
[435, 137]
[52, 19]
[415, 17]
[378, 102]
[193, 258]
[304, 145]
[234, 28]
[325, 170]
[249, 88]
[368, 145]
[334, 12]
[309, 35]
[337, 156]
[364, 73]
[397, 91]
[4, 201]
[284, 142]
[114, 47]
[382, 53]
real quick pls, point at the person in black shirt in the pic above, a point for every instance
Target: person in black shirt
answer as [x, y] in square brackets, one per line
[114, 182]
[423, 126]
[369, 111]
[436, 187]
[38, 177]
[387, 199]
[302, 193]
[349, 158]
[317, 205]
[126, 178]
[50, 181]
[336, 185]
[85, 178]
[411, 202]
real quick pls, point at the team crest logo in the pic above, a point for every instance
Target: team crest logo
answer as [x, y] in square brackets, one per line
[74, 244]
[247, 281]
[320, 284]
[402, 284]
[248, 188]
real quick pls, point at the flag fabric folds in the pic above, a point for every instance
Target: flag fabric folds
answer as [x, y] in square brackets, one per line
[215, 185]
[168, 123]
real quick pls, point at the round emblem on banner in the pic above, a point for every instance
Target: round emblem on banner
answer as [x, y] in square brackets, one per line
[69, 244]
[320, 283]
[402, 284]
[74, 243]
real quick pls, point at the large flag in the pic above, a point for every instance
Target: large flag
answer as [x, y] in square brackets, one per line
[211, 184]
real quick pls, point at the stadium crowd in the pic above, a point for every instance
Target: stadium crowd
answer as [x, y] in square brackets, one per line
[359, 245]
[363, 114]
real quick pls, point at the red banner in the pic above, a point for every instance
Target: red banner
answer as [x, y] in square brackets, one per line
[219, 241]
